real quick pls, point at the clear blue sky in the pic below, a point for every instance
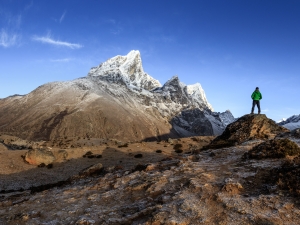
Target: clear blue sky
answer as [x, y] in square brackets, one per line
[230, 47]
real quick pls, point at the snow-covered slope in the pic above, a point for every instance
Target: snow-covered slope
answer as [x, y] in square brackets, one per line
[128, 69]
[291, 123]
[196, 92]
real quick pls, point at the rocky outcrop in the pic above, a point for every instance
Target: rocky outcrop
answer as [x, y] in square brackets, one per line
[248, 127]
[16, 143]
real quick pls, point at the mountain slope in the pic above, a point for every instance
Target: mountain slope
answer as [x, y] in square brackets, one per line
[116, 100]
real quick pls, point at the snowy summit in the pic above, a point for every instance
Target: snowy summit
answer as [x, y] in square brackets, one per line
[127, 68]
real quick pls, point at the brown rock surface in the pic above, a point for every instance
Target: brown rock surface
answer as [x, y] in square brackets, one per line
[248, 127]
[217, 188]
[39, 156]
[3, 147]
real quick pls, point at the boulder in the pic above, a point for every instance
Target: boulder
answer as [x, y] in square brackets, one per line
[248, 127]
[61, 155]
[92, 170]
[232, 187]
[39, 156]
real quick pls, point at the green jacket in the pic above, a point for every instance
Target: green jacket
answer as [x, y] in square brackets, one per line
[256, 95]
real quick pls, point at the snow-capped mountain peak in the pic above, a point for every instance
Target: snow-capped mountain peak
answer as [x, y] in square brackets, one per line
[196, 92]
[127, 69]
[186, 93]
[282, 120]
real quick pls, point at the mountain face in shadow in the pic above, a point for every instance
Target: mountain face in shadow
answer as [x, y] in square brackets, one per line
[117, 100]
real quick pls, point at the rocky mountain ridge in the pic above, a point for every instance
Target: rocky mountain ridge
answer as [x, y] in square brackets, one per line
[116, 100]
[291, 123]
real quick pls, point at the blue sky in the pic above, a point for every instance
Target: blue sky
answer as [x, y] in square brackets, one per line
[230, 47]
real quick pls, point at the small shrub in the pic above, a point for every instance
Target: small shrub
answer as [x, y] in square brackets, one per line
[194, 139]
[178, 150]
[123, 145]
[138, 155]
[87, 154]
[177, 146]
[158, 151]
[140, 167]
[50, 166]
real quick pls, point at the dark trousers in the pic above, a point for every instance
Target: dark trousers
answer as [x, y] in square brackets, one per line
[255, 102]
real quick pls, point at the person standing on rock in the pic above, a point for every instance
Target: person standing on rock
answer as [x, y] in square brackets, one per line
[256, 96]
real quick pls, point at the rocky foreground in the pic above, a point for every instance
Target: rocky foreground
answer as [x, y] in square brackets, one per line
[253, 182]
